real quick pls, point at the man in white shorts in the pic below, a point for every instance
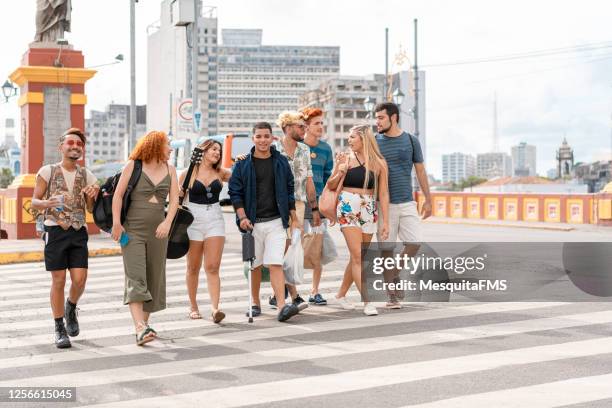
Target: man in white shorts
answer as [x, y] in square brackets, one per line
[401, 151]
[261, 191]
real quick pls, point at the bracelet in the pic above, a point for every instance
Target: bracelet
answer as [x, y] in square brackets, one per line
[314, 209]
[242, 218]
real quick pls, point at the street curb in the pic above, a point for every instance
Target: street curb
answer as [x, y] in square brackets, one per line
[7, 258]
[483, 224]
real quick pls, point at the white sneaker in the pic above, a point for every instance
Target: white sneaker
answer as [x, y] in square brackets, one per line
[345, 304]
[370, 310]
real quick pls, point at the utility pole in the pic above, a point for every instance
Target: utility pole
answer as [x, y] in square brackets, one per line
[132, 140]
[495, 132]
[385, 90]
[194, 59]
[416, 83]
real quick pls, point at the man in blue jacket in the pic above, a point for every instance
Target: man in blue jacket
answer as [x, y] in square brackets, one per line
[261, 191]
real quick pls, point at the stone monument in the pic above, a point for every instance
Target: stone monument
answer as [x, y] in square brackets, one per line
[52, 99]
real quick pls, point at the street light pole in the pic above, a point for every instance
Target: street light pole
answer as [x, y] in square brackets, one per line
[416, 84]
[132, 141]
[194, 59]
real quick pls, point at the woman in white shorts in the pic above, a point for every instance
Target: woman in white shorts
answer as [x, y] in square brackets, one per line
[365, 181]
[207, 232]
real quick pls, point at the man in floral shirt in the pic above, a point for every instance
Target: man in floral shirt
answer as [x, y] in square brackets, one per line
[298, 155]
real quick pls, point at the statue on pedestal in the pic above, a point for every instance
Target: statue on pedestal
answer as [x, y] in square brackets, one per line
[52, 19]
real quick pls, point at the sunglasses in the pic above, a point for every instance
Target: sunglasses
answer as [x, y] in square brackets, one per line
[301, 126]
[209, 194]
[73, 142]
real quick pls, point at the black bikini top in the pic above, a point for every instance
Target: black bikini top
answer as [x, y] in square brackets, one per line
[201, 194]
[355, 177]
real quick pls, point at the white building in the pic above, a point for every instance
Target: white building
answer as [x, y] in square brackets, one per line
[342, 99]
[523, 160]
[107, 133]
[490, 165]
[457, 167]
[9, 134]
[240, 82]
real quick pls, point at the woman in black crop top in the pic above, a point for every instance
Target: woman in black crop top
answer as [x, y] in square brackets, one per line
[207, 232]
[362, 178]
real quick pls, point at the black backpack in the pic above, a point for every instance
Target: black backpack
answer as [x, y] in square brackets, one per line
[103, 207]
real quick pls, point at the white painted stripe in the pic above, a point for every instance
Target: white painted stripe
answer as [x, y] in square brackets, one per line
[549, 395]
[102, 267]
[94, 263]
[436, 312]
[85, 303]
[233, 289]
[172, 275]
[316, 386]
[310, 352]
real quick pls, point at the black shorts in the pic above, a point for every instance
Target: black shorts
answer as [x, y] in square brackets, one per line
[65, 249]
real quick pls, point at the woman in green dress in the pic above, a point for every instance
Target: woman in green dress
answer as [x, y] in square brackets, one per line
[144, 253]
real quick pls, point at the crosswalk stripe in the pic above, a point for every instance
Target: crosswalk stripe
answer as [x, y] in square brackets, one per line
[346, 381]
[24, 270]
[106, 272]
[448, 311]
[309, 352]
[177, 275]
[549, 395]
[228, 291]
[95, 307]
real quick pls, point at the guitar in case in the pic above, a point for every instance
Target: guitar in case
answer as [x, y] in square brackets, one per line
[178, 240]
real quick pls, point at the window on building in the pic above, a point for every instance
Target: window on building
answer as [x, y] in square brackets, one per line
[337, 128]
[347, 128]
[338, 114]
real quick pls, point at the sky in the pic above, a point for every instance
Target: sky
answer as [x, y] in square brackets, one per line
[539, 100]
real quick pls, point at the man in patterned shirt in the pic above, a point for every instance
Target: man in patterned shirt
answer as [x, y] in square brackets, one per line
[298, 154]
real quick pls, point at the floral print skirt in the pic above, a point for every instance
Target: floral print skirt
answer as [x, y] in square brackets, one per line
[357, 210]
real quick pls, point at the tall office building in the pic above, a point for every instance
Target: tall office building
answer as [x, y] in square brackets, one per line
[240, 81]
[342, 98]
[491, 165]
[457, 167]
[107, 132]
[524, 160]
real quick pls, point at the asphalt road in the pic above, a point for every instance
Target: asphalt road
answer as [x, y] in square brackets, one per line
[527, 354]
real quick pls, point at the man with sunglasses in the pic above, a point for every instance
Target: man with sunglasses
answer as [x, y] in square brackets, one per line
[62, 193]
[298, 155]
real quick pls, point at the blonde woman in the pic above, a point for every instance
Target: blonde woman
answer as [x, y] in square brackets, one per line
[365, 182]
[207, 232]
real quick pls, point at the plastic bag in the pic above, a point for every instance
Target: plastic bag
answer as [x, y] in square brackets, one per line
[328, 252]
[293, 262]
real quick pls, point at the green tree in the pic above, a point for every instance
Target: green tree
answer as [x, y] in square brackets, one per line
[471, 182]
[6, 177]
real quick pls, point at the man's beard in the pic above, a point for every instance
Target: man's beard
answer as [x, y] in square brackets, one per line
[69, 156]
[385, 130]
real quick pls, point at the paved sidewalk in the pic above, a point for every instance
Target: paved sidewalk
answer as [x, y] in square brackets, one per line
[510, 224]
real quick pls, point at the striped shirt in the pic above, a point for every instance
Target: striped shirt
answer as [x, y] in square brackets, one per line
[400, 157]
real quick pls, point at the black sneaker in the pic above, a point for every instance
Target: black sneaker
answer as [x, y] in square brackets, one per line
[61, 337]
[72, 324]
[272, 302]
[288, 311]
[317, 300]
[300, 303]
[256, 311]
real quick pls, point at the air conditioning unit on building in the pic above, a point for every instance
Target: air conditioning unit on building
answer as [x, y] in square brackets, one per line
[182, 12]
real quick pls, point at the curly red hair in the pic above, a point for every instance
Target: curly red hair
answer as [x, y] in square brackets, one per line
[310, 113]
[150, 147]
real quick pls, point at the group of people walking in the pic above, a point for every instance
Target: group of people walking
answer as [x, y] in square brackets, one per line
[275, 189]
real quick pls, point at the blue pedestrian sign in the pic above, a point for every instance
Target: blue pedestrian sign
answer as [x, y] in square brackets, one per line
[197, 121]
